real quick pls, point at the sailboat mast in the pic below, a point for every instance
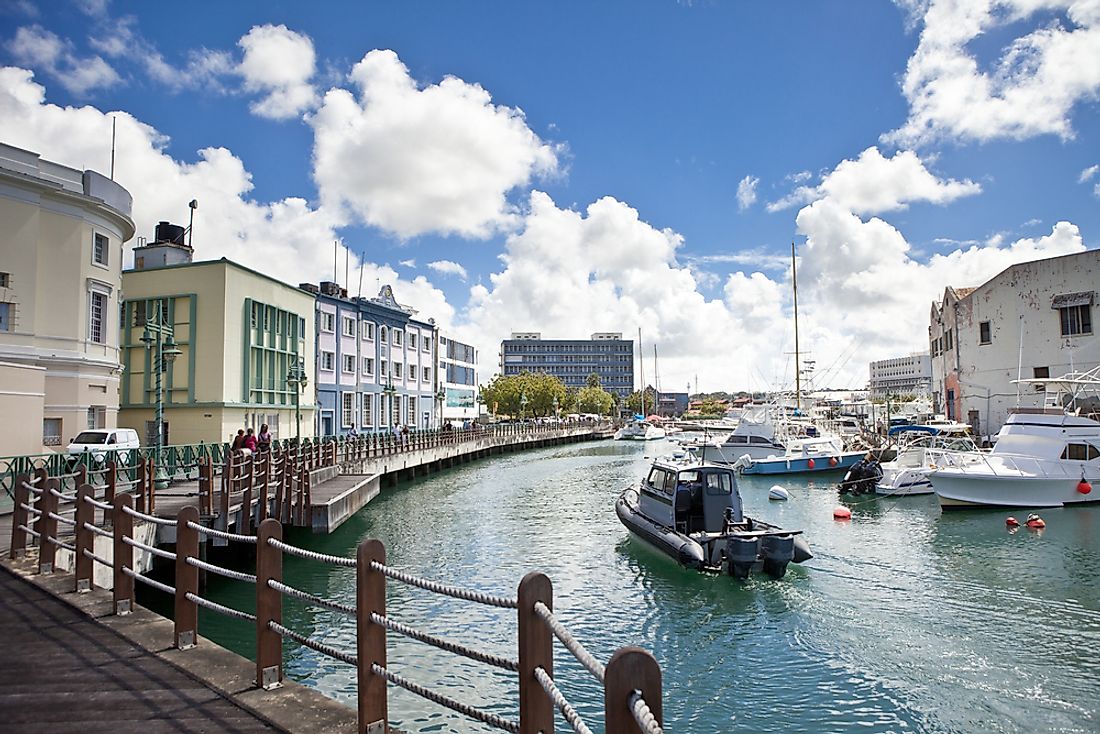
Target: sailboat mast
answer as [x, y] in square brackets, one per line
[656, 384]
[641, 368]
[797, 360]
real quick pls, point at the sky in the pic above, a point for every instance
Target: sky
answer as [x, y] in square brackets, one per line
[576, 167]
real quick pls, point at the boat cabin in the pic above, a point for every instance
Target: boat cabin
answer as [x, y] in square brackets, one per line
[691, 498]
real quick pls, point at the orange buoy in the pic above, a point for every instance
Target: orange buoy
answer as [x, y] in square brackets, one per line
[1012, 522]
[1083, 486]
[810, 463]
[833, 461]
[842, 513]
[1035, 522]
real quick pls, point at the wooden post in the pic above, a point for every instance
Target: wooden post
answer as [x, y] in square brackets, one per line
[370, 597]
[631, 669]
[81, 475]
[261, 492]
[227, 486]
[47, 526]
[187, 579]
[269, 606]
[111, 480]
[245, 527]
[20, 496]
[280, 486]
[124, 554]
[307, 498]
[85, 538]
[536, 650]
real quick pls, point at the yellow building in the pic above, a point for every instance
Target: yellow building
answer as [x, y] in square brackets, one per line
[238, 332]
[61, 237]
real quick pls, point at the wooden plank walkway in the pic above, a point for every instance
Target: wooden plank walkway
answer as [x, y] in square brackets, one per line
[64, 672]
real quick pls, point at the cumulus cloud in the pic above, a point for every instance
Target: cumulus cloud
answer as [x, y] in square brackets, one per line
[746, 192]
[279, 64]
[1088, 173]
[1030, 89]
[448, 267]
[411, 160]
[39, 48]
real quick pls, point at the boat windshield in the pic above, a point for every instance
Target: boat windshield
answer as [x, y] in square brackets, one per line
[715, 482]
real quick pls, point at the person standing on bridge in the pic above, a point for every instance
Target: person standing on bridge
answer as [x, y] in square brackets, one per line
[248, 444]
[238, 441]
[263, 439]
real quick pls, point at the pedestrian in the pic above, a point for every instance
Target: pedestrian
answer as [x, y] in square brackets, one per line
[248, 443]
[238, 440]
[405, 434]
[263, 440]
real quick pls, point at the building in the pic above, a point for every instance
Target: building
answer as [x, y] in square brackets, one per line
[910, 375]
[606, 354]
[376, 363]
[239, 334]
[458, 379]
[61, 237]
[1035, 319]
[671, 404]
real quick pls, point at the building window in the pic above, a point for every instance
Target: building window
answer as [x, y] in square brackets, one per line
[97, 317]
[427, 344]
[349, 326]
[412, 410]
[397, 369]
[368, 409]
[97, 417]
[412, 341]
[5, 317]
[383, 373]
[396, 336]
[347, 409]
[100, 249]
[368, 366]
[985, 334]
[1076, 320]
[368, 330]
[382, 334]
[349, 363]
[328, 361]
[427, 374]
[328, 321]
[51, 432]
[5, 280]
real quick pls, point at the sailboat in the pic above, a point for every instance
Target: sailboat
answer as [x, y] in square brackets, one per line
[641, 429]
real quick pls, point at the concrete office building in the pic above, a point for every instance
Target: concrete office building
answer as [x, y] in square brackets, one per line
[572, 360]
[458, 380]
[911, 375]
[61, 237]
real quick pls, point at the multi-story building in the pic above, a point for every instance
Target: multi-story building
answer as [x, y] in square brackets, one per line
[458, 380]
[376, 363]
[241, 335]
[1034, 319]
[911, 375]
[572, 360]
[61, 237]
[670, 404]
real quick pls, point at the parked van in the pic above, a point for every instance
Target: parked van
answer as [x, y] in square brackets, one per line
[104, 440]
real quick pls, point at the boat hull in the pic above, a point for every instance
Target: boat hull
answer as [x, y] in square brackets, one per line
[958, 490]
[801, 464]
[904, 483]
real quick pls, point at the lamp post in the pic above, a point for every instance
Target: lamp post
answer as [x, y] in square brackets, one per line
[160, 338]
[440, 396]
[390, 392]
[522, 405]
[555, 406]
[297, 379]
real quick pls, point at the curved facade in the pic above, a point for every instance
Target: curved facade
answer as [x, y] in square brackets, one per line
[61, 243]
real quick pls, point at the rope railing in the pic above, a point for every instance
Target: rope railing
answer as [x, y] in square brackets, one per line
[220, 571]
[221, 534]
[346, 609]
[219, 608]
[97, 530]
[147, 517]
[561, 702]
[61, 544]
[645, 719]
[106, 506]
[149, 548]
[28, 531]
[585, 658]
[311, 555]
[97, 559]
[415, 634]
[148, 581]
[312, 644]
[491, 719]
[454, 592]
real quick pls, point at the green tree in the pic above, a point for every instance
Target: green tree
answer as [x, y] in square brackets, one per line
[594, 400]
[634, 401]
[528, 394]
[593, 380]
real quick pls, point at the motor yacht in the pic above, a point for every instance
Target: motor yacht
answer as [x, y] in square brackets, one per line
[639, 431]
[907, 473]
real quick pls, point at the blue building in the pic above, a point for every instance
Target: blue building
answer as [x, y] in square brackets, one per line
[376, 363]
[573, 360]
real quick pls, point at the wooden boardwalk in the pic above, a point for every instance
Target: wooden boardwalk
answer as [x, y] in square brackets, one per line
[76, 675]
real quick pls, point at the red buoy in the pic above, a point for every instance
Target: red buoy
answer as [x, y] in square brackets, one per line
[842, 513]
[1012, 522]
[833, 461]
[1083, 486]
[1035, 522]
[810, 463]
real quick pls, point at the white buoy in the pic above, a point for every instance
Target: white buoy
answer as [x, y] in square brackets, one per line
[778, 493]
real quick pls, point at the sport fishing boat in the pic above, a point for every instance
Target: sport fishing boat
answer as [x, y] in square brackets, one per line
[908, 473]
[692, 511]
[1044, 457]
[806, 455]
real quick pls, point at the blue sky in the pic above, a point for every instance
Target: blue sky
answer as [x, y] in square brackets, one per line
[579, 167]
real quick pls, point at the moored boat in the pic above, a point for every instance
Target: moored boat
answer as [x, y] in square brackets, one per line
[639, 431]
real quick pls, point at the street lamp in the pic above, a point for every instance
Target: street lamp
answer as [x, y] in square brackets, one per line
[555, 406]
[160, 338]
[297, 379]
[440, 397]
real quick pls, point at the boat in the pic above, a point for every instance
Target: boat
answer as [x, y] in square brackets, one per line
[639, 430]
[692, 511]
[806, 455]
[1044, 457]
[907, 474]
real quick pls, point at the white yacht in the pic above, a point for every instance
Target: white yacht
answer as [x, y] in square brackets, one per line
[908, 473]
[640, 431]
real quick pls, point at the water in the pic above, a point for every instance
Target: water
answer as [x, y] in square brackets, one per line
[905, 621]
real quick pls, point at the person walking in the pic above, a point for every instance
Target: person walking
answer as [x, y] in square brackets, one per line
[263, 439]
[248, 443]
[238, 440]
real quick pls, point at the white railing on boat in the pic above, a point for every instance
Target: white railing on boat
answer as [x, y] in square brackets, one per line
[1001, 465]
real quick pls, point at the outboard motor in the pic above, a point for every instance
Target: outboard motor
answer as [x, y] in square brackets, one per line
[778, 551]
[861, 478]
[741, 554]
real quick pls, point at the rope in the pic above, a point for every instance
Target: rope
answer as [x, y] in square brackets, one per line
[310, 598]
[216, 607]
[30, 509]
[560, 701]
[32, 490]
[451, 591]
[311, 555]
[28, 530]
[457, 649]
[320, 647]
[148, 548]
[594, 666]
[220, 534]
[98, 531]
[55, 516]
[97, 559]
[147, 518]
[61, 496]
[647, 722]
[96, 503]
[228, 573]
[462, 708]
[146, 580]
[61, 543]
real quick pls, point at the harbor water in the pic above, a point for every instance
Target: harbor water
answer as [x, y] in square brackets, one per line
[906, 620]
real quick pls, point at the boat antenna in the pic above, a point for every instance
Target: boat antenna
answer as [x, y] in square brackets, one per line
[113, 121]
[797, 371]
[1020, 362]
[641, 369]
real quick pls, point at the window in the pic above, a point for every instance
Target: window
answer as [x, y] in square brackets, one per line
[347, 409]
[1076, 320]
[5, 317]
[383, 373]
[426, 344]
[368, 366]
[367, 330]
[97, 417]
[368, 409]
[395, 335]
[349, 326]
[412, 341]
[51, 432]
[427, 374]
[100, 249]
[1080, 452]
[985, 334]
[412, 410]
[5, 280]
[1041, 372]
[382, 334]
[328, 321]
[328, 361]
[97, 317]
[349, 363]
[397, 369]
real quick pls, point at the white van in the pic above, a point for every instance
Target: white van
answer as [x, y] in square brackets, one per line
[101, 441]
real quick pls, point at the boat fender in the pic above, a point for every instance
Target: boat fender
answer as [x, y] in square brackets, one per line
[840, 512]
[810, 463]
[833, 461]
[1034, 522]
[1012, 522]
[1083, 486]
[778, 493]
[688, 559]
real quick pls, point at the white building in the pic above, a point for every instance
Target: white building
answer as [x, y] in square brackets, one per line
[458, 380]
[910, 375]
[1035, 319]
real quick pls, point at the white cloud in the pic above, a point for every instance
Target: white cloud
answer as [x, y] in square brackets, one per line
[37, 47]
[408, 263]
[746, 192]
[1096, 191]
[278, 63]
[412, 160]
[1088, 173]
[448, 267]
[1030, 90]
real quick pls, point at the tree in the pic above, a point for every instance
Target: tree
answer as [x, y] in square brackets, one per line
[528, 394]
[594, 400]
[593, 380]
[634, 401]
